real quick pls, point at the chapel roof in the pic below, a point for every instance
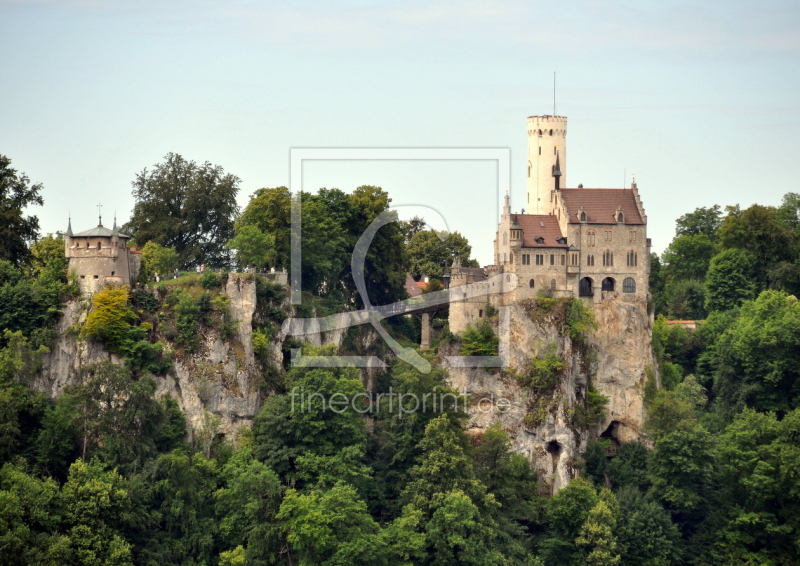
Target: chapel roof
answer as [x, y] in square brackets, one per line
[539, 226]
[99, 231]
[601, 204]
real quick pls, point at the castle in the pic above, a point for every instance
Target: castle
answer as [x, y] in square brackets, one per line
[100, 256]
[589, 243]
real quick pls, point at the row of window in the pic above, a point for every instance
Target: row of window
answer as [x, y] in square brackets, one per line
[99, 246]
[586, 285]
[631, 259]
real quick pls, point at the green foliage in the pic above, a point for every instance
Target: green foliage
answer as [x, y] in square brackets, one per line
[16, 230]
[645, 532]
[429, 251]
[597, 538]
[544, 372]
[210, 280]
[730, 280]
[704, 221]
[579, 321]
[687, 257]
[185, 206]
[270, 211]
[158, 261]
[254, 248]
[110, 319]
[685, 299]
[591, 411]
[566, 513]
[479, 340]
[756, 356]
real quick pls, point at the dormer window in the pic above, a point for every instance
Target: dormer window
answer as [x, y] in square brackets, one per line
[619, 215]
[582, 216]
[562, 240]
[540, 240]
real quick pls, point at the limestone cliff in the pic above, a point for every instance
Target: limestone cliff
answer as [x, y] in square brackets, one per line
[614, 359]
[220, 379]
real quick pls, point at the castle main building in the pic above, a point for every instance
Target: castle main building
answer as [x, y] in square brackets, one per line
[589, 243]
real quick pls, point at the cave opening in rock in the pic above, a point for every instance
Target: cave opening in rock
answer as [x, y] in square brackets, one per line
[611, 434]
[553, 448]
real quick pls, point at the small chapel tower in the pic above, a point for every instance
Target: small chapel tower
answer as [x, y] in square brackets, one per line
[547, 143]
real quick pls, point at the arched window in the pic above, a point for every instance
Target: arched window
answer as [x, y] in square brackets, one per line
[629, 285]
[590, 238]
[508, 278]
[505, 237]
[583, 217]
[98, 245]
[505, 258]
[608, 284]
[551, 132]
[552, 284]
[590, 260]
[608, 258]
[632, 258]
[585, 287]
[540, 133]
[530, 283]
[620, 217]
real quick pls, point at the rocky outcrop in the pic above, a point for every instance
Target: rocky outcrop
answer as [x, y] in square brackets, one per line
[543, 428]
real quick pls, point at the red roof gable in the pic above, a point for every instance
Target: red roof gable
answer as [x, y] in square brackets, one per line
[539, 226]
[600, 205]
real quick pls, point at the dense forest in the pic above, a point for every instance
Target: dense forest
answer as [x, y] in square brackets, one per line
[109, 474]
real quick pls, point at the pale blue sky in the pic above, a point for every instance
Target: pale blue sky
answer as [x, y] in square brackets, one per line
[699, 100]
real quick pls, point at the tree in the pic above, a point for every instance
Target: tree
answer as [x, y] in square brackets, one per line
[479, 340]
[758, 229]
[331, 527]
[687, 257]
[96, 506]
[645, 532]
[702, 221]
[756, 357]
[110, 319]
[253, 247]
[597, 536]
[730, 280]
[47, 257]
[269, 210]
[429, 251]
[16, 229]
[158, 260]
[567, 511]
[186, 206]
[411, 227]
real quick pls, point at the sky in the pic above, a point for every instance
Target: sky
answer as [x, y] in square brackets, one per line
[698, 100]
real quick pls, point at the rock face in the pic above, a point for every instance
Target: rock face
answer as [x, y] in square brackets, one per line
[217, 387]
[543, 428]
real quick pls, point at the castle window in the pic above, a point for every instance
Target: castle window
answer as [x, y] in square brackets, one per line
[83, 277]
[552, 284]
[620, 217]
[629, 285]
[573, 258]
[608, 235]
[98, 245]
[583, 217]
[551, 133]
[87, 245]
[505, 258]
[552, 259]
[95, 276]
[540, 241]
[530, 283]
[540, 149]
[608, 284]
[480, 313]
[585, 287]
[590, 238]
[505, 238]
[526, 259]
[632, 259]
[539, 259]
[608, 258]
[563, 259]
[590, 260]
[112, 273]
[632, 236]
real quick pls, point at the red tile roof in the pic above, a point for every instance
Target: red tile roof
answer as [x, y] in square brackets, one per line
[601, 204]
[539, 225]
[411, 287]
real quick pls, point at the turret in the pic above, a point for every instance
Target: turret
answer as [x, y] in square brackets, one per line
[547, 142]
[68, 238]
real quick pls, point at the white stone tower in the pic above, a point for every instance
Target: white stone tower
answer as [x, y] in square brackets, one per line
[547, 140]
